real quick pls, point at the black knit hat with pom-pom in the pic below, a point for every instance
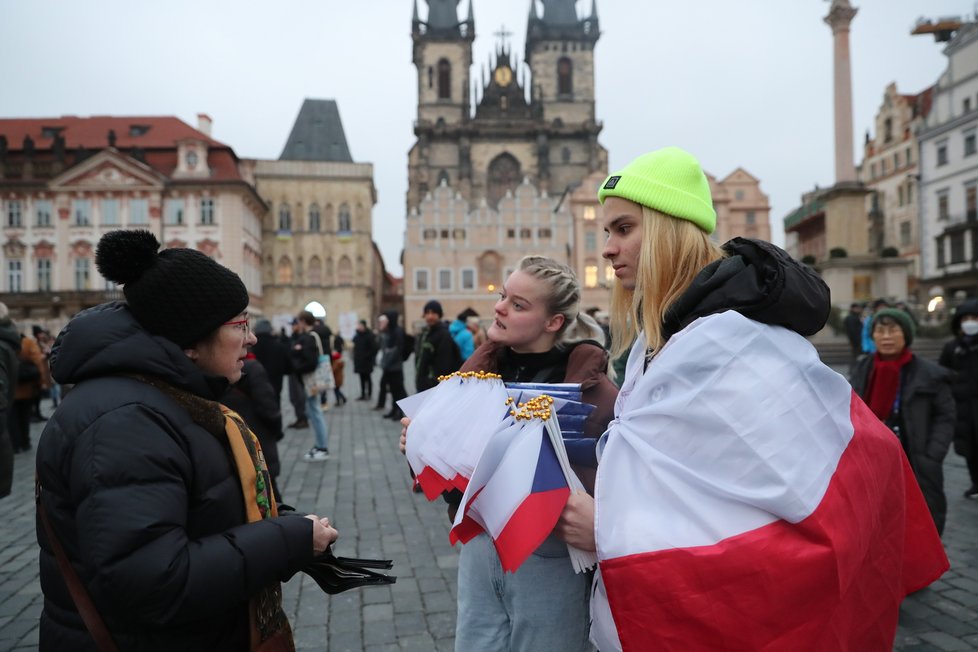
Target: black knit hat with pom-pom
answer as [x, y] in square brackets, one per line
[181, 294]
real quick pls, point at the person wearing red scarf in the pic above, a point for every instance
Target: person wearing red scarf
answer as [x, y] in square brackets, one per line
[912, 396]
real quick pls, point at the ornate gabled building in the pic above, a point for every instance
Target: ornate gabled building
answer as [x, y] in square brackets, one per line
[889, 171]
[318, 234]
[503, 154]
[66, 181]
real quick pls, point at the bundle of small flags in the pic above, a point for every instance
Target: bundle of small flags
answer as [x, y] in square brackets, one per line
[510, 462]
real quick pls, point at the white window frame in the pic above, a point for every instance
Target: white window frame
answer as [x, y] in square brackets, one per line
[43, 272]
[461, 278]
[43, 209]
[141, 217]
[446, 287]
[15, 275]
[81, 212]
[15, 215]
[110, 216]
[174, 211]
[207, 211]
[418, 274]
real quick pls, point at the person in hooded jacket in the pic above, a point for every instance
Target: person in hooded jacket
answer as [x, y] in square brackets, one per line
[725, 421]
[912, 396]
[960, 355]
[156, 493]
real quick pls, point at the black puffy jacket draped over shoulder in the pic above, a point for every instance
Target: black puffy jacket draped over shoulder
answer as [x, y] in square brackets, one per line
[147, 503]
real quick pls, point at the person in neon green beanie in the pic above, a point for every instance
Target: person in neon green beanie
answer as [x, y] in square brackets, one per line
[723, 403]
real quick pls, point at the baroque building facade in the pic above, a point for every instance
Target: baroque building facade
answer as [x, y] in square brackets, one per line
[317, 238]
[889, 170]
[495, 164]
[66, 181]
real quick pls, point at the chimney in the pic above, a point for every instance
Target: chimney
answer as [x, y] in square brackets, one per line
[204, 123]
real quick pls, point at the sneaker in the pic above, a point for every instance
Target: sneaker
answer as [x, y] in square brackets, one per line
[316, 454]
[971, 494]
[324, 407]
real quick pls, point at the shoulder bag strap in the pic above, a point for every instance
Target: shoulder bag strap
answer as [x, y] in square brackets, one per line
[319, 342]
[86, 609]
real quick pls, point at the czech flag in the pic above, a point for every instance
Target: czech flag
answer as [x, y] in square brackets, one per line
[747, 499]
[516, 493]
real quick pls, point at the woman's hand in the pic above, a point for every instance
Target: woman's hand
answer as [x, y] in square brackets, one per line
[323, 533]
[403, 442]
[576, 524]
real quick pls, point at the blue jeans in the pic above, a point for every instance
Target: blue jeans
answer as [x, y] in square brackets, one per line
[542, 606]
[315, 416]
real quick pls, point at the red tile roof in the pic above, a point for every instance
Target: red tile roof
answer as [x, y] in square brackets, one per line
[157, 136]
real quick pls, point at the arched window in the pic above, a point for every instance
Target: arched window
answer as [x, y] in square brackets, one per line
[565, 76]
[284, 271]
[284, 218]
[344, 219]
[328, 272]
[443, 177]
[314, 220]
[330, 223]
[444, 80]
[490, 266]
[504, 174]
[315, 271]
[344, 272]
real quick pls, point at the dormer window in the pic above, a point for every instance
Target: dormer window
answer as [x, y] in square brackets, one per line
[51, 132]
[138, 130]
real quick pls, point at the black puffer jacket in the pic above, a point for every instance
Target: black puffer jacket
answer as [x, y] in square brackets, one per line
[927, 410]
[146, 502]
[761, 282]
[960, 355]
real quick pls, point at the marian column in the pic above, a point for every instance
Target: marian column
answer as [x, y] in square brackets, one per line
[840, 15]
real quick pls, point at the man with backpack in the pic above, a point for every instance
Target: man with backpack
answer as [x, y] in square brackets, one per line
[438, 354]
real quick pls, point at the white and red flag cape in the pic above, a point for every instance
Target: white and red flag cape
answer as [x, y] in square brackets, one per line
[746, 499]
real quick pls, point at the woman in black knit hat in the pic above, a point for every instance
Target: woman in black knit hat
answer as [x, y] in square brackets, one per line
[159, 496]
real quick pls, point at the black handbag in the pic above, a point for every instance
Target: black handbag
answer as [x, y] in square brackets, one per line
[337, 574]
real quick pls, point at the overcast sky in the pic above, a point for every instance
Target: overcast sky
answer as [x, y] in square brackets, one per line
[738, 83]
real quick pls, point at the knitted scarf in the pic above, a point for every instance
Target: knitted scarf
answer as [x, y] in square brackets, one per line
[884, 382]
[265, 614]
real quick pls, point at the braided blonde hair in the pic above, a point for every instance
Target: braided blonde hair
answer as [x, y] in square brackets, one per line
[564, 298]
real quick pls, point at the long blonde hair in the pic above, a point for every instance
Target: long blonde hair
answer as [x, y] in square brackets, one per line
[673, 252]
[564, 298]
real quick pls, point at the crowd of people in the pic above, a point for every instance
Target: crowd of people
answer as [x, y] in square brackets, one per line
[158, 473]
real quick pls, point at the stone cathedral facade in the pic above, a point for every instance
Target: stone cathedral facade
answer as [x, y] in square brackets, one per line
[506, 159]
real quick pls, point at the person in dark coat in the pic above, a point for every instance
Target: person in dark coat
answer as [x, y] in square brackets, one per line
[9, 363]
[437, 354]
[273, 354]
[960, 355]
[157, 494]
[854, 333]
[364, 356]
[391, 363]
[254, 398]
[912, 396]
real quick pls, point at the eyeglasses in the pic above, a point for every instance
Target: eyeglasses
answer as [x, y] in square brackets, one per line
[240, 324]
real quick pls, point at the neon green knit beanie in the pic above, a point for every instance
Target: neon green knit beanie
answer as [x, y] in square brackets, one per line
[669, 180]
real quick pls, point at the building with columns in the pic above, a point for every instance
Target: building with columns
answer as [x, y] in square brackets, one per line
[66, 181]
[317, 238]
[830, 229]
